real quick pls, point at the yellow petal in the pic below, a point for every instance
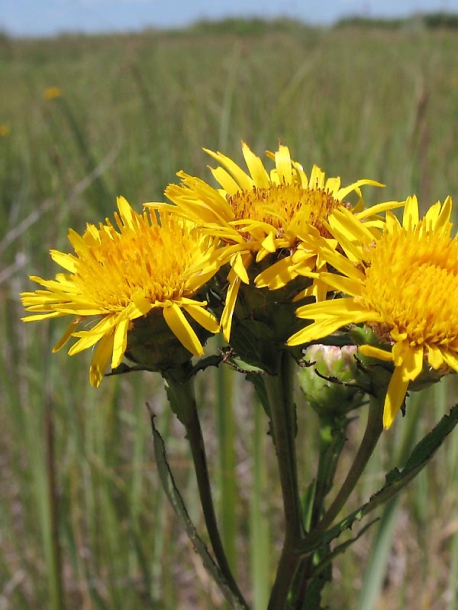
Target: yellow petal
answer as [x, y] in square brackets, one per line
[225, 180]
[332, 185]
[182, 329]
[413, 362]
[375, 352]
[277, 275]
[343, 221]
[343, 284]
[337, 307]
[283, 163]
[42, 316]
[395, 396]
[256, 167]
[355, 186]
[437, 218]
[435, 357]
[313, 332]
[126, 212]
[451, 358]
[100, 360]
[244, 181]
[88, 338]
[238, 264]
[317, 177]
[302, 176]
[229, 306]
[379, 207]
[411, 216]
[325, 327]
[67, 334]
[67, 261]
[120, 342]
[203, 317]
[269, 242]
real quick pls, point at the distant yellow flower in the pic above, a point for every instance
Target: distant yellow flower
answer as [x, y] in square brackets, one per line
[51, 93]
[402, 281]
[262, 213]
[5, 130]
[123, 274]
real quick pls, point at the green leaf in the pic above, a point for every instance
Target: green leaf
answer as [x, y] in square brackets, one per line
[180, 509]
[204, 363]
[258, 382]
[395, 481]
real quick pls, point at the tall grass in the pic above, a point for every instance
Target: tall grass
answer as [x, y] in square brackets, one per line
[83, 521]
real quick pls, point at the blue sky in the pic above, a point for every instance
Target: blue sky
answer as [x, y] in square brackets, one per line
[48, 17]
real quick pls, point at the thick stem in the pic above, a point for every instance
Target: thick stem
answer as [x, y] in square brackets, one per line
[283, 420]
[184, 404]
[374, 428]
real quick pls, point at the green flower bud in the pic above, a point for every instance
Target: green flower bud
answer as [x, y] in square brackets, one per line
[330, 381]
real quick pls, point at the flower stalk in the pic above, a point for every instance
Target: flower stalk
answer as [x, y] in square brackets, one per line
[283, 420]
[374, 429]
[181, 394]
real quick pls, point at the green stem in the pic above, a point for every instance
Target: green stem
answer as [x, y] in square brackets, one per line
[332, 439]
[227, 462]
[184, 405]
[374, 428]
[283, 420]
[57, 595]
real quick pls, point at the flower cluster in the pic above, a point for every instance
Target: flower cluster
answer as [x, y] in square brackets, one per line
[260, 246]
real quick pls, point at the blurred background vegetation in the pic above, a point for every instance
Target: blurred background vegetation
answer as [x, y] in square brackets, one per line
[84, 523]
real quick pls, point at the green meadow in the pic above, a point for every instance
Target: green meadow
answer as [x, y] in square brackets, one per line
[84, 522]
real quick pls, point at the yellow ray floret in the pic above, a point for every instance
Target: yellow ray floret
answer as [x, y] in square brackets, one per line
[121, 272]
[404, 285]
[259, 213]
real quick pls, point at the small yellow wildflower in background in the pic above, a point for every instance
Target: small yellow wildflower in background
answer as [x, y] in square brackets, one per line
[5, 130]
[402, 281]
[122, 275]
[51, 93]
[257, 214]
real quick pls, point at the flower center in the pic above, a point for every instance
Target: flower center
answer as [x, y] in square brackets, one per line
[145, 260]
[279, 204]
[412, 281]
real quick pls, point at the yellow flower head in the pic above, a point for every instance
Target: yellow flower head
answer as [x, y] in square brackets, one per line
[51, 93]
[260, 213]
[122, 274]
[402, 281]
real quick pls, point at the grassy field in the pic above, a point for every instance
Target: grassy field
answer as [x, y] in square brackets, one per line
[82, 516]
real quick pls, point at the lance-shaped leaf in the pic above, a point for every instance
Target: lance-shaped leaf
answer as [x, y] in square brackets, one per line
[395, 481]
